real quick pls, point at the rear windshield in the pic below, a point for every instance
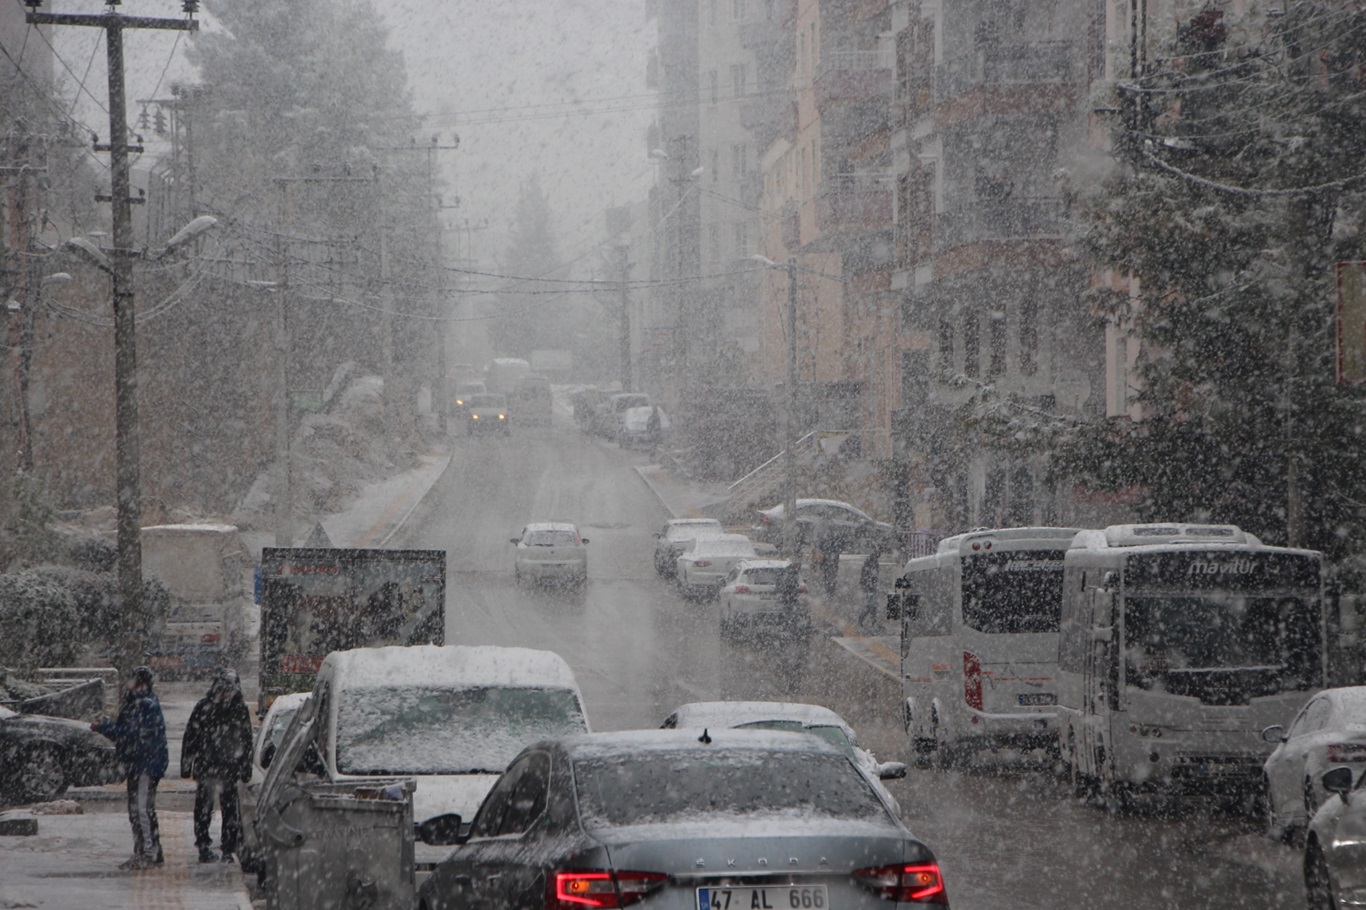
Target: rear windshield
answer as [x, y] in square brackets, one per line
[1013, 592]
[712, 547]
[662, 787]
[551, 539]
[762, 576]
[488, 401]
[833, 735]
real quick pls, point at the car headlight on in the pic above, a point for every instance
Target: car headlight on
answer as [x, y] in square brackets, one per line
[474, 417]
[502, 417]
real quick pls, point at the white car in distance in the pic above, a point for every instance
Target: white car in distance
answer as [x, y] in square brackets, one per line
[751, 597]
[798, 718]
[1330, 730]
[702, 568]
[551, 551]
[672, 540]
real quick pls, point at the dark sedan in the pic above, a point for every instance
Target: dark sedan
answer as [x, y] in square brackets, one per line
[42, 756]
[826, 522]
[684, 820]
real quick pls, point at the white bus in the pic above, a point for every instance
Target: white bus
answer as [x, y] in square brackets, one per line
[1179, 643]
[979, 642]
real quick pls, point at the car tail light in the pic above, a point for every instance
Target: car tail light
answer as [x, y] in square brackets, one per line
[801, 589]
[210, 638]
[765, 518]
[919, 883]
[702, 563]
[576, 890]
[972, 680]
[1346, 752]
[742, 589]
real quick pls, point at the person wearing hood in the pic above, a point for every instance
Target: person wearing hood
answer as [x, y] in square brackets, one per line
[216, 753]
[139, 736]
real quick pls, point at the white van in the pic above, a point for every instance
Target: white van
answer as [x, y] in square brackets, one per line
[450, 718]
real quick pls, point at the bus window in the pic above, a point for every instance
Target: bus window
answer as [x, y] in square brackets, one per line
[1013, 592]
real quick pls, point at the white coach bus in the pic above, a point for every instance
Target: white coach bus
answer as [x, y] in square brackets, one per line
[1179, 643]
[979, 642]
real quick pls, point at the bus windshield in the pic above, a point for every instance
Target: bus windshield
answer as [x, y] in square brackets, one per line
[1221, 647]
[1013, 592]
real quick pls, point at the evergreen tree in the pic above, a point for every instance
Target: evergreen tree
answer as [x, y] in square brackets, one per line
[536, 318]
[1240, 186]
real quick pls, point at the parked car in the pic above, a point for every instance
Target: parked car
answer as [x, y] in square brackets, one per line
[488, 414]
[551, 550]
[636, 431]
[819, 520]
[586, 402]
[449, 718]
[1335, 846]
[794, 718]
[42, 756]
[701, 569]
[751, 597]
[273, 727]
[531, 401]
[670, 539]
[464, 391]
[607, 416]
[671, 819]
[1329, 730]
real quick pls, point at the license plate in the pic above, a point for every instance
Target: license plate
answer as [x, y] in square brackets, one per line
[771, 897]
[1037, 699]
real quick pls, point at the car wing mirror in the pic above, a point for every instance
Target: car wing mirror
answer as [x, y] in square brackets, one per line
[442, 830]
[1274, 734]
[311, 762]
[1339, 781]
[267, 755]
[584, 539]
[903, 604]
[891, 770]
[514, 540]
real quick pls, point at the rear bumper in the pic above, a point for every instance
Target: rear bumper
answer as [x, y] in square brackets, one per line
[568, 569]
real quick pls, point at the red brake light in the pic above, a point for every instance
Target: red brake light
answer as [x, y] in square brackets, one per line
[972, 680]
[801, 589]
[742, 589]
[210, 638]
[765, 519]
[920, 883]
[598, 890]
[1338, 752]
[702, 563]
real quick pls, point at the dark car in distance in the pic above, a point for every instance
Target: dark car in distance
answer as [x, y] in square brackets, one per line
[41, 756]
[683, 820]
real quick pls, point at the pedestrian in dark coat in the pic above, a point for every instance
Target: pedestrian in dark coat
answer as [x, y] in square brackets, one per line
[216, 752]
[867, 582]
[139, 737]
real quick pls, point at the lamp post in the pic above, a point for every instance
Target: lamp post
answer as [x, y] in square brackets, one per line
[127, 448]
[790, 448]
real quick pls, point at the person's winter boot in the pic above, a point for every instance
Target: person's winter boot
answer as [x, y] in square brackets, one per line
[227, 857]
[206, 855]
[137, 861]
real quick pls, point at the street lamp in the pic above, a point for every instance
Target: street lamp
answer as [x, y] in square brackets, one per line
[790, 450]
[127, 449]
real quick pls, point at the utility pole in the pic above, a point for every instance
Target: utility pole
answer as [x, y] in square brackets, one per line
[790, 449]
[127, 444]
[624, 329]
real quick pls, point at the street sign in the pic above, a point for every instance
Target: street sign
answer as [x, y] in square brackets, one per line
[1350, 328]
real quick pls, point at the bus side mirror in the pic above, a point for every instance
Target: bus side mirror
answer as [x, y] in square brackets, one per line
[1110, 581]
[903, 604]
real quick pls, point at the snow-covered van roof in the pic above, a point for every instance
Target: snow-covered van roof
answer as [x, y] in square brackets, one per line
[965, 540]
[451, 665]
[606, 745]
[717, 714]
[1160, 533]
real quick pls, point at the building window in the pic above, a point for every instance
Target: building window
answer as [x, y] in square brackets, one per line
[714, 86]
[741, 240]
[715, 165]
[915, 378]
[739, 79]
[1029, 337]
[739, 159]
[714, 241]
[997, 364]
[1021, 496]
[738, 10]
[972, 354]
[946, 346]
[711, 13]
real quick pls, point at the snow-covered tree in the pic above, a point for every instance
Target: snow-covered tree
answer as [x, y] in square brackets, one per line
[1240, 186]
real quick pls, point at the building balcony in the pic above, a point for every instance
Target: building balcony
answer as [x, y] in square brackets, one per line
[852, 77]
[853, 202]
[1041, 63]
[978, 220]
